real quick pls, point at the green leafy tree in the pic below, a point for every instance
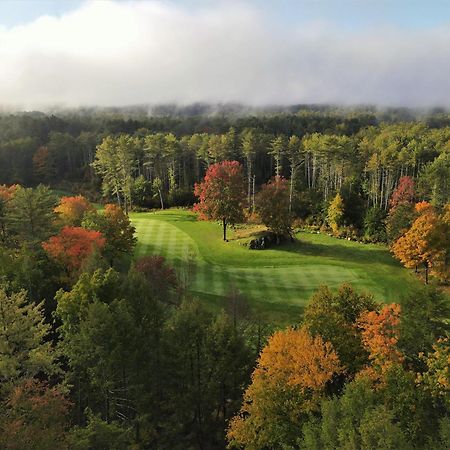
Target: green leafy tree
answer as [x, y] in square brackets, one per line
[423, 322]
[356, 420]
[116, 228]
[115, 163]
[277, 150]
[24, 347]
[30, 214]
[334, 316]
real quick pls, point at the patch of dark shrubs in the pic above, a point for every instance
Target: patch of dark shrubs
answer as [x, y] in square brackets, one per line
[268, 239]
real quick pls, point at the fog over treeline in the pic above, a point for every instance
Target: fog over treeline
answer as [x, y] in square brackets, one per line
[237, 110]
[119, 53]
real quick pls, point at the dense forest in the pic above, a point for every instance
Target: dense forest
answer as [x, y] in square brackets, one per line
[152, 161]
[100, 349]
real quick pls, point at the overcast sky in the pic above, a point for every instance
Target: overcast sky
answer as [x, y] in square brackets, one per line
[80, 53]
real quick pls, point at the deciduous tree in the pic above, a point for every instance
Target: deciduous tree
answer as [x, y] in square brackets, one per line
[272, 205]
[336, 212]
[34, 415]
[292, 372]
[73, 246]
[221, 194]
[72, 209]
[380, 334]
[116, 228]
[423, 242]
[334, 316]
[160, 276]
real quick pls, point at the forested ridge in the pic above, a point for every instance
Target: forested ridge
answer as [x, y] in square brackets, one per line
[101, 348]
[354, 153]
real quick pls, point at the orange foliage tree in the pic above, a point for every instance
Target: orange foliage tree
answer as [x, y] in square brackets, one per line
[292, 372]
[380, 334]
[73, 246]
[423, 243]
[72, 209]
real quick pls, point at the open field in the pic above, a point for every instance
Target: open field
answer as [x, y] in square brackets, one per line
[277, 281]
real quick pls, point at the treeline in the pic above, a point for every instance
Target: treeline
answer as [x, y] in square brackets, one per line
[100, 351]
[151, 162]
[364, 169]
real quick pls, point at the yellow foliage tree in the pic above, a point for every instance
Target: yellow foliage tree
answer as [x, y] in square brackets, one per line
[335, 215]
[287, 384]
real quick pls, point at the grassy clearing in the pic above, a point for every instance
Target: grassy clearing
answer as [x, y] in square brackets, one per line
[278, 282]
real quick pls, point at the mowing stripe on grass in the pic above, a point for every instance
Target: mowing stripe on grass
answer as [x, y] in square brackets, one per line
[287, 275]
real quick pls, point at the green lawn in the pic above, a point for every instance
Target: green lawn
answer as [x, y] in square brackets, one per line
[279, 281]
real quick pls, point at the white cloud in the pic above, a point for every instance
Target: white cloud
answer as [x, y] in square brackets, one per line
[111, 53]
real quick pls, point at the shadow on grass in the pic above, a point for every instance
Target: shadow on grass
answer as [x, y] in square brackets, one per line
[175, 216]
[279, 314]
[339, 252]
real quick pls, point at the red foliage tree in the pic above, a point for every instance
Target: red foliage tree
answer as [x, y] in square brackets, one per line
[404, 192]
[72, 209]
[73, 246]
[159, 274]
[221, 194]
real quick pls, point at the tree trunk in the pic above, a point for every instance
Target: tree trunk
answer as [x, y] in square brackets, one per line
[161, 199]
[224, 229]
[291, 188]
[249, 181]
[253, 193]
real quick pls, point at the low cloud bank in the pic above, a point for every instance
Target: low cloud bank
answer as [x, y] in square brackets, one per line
[110, 53]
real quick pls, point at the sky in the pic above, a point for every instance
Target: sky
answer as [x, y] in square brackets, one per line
[71, 53]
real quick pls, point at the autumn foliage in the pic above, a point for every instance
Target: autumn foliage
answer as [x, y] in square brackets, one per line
[221, 194]
[72, 209]
[425, 243]
[73, 246]
[35, 416]
[158, 273]
[272, 205]
[292, 373]
[404, 192]
[380, 334]
[7, 192]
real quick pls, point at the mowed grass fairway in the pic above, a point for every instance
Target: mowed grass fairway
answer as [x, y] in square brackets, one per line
[278, 282]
